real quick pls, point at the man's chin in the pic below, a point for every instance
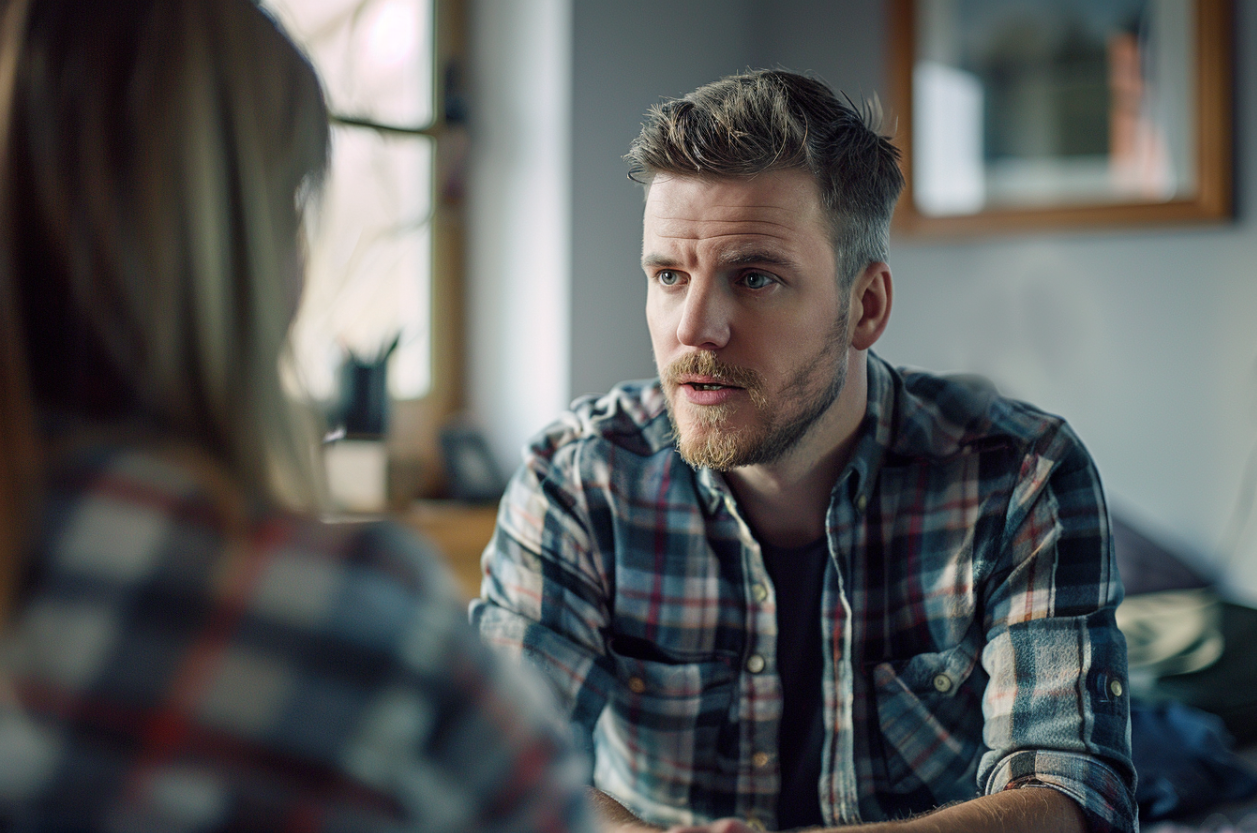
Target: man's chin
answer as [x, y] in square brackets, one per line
[703, 417]
[714, 448]
[707, 436]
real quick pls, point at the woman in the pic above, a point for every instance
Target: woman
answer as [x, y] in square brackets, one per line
[181, 651]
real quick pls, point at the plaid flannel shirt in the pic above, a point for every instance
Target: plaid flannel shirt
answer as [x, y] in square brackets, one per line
[967, 611]
[179, 665]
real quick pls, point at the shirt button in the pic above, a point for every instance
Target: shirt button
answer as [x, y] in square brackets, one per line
[760, 760]
[862, 502]
[942, 683]
[637, 685]
[760, 592]
[755, 663]
[1116, 687]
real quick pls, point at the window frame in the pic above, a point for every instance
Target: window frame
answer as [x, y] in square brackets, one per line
[416, 468]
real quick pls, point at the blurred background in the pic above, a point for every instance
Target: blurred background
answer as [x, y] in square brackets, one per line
[1145, 339]
[520, 287]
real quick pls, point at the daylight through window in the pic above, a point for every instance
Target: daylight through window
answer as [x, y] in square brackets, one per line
[369, 267]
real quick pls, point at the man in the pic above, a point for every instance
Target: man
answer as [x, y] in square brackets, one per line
[785, 583]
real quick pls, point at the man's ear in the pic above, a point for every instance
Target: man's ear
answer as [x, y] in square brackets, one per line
[871, 296]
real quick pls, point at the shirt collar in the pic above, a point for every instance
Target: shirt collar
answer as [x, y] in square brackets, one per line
[875, 433]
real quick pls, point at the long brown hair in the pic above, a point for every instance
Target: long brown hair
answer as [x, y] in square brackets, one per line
[153, 159]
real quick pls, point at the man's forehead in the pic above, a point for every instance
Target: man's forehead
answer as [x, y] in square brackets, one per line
[775, 205]
[767, 224]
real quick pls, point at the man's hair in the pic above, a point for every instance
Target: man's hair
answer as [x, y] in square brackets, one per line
[154, 155]
[770, 120]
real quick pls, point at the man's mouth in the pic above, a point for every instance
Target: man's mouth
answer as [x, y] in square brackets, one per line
[703, 380]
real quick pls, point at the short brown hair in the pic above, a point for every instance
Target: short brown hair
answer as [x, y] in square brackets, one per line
[767, 120]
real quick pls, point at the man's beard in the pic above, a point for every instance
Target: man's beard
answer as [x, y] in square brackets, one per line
[777, 429]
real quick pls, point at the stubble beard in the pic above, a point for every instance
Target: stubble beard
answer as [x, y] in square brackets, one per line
[708, 440]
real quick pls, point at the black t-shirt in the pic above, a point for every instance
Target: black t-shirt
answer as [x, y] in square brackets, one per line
[797, 574]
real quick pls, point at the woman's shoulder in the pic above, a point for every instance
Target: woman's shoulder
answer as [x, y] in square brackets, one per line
[166, 532]
[337, 648]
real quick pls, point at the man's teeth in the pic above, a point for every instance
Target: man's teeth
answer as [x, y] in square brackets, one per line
[708, 387]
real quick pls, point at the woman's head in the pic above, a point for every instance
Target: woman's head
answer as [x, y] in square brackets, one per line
[154, 158]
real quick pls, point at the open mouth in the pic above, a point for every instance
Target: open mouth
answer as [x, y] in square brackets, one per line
[707, 383]
[701, 379]
[707, 392]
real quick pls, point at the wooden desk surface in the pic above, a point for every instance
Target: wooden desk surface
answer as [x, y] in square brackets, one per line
[460, 530]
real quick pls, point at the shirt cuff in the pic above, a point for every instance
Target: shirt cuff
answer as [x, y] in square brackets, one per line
[1106, 798]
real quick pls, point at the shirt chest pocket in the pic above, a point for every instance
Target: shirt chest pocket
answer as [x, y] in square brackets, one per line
[929, 711]
[661, 734]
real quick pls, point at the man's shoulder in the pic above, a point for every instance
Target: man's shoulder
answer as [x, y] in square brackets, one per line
[942, 415]
[631, 417]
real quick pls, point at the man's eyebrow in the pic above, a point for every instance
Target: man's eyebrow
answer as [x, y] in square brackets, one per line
[752, 257]
[653, 260]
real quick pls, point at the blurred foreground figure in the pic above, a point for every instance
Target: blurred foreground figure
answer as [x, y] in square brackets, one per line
[180, 652]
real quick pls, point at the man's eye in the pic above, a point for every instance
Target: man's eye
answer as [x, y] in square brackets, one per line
[668, 278]
[756, 280]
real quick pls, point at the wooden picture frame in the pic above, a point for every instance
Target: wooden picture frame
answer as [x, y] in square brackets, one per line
[1211, 200]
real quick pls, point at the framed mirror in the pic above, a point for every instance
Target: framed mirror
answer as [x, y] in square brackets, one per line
[1031, 114]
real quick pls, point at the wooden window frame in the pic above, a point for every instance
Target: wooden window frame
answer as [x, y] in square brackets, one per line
[416, 466]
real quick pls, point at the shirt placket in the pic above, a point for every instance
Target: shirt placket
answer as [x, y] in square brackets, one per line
[840, 801]
[759, 686]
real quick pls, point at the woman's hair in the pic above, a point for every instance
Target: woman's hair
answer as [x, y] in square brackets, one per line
[154, 158]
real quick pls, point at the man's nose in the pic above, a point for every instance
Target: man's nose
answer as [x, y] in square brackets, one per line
[705, 317]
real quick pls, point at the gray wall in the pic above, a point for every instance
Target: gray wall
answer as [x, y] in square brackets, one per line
[1145, 340]
[519, 218]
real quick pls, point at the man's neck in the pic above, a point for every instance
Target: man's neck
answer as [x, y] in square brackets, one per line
[786, 501]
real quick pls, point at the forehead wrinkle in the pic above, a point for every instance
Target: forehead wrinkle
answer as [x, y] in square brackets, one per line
[732, 218]
[711, 238]
[738, 206]
[722, 230]
[738, 255]
[712, 229]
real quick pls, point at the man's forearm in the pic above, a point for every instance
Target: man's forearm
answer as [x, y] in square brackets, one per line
[1027, 810]
[614, 817]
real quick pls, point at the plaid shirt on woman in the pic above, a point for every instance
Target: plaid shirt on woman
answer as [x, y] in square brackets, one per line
[967, 611]
[184, 662]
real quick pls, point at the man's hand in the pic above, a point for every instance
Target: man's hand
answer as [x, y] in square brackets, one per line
[1027, 810]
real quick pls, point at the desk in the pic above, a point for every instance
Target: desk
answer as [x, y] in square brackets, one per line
[460, 530]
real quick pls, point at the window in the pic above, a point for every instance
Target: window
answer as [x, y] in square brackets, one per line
[369, 274]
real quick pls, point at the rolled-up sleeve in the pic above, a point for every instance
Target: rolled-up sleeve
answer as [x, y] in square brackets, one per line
[1056, 706]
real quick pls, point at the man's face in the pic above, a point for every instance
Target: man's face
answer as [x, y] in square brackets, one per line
[748, 326]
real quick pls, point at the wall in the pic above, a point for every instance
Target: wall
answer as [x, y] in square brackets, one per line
[1145, 340]
[519, 218]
